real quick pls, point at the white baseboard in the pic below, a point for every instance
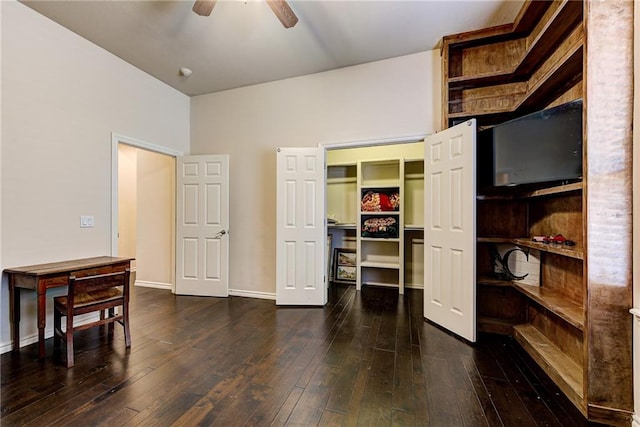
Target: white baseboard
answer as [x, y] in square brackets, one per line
[48, 332]
[636, 421]
[24, 341]
[252, 294]
[156, 285]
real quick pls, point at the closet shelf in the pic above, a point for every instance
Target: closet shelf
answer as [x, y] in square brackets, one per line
[409, 176]
[413, 227]
[378, 264]
[379, 239]
[392, 213]
[382, 284]
[380, 185]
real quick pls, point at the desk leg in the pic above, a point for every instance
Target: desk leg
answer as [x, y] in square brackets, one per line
[14, 307]
[42, 318]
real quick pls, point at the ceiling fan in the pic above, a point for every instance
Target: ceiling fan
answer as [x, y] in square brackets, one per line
[279, 7]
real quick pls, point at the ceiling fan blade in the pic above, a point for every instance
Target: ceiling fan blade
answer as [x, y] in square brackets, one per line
[203, 7]
[283, 12]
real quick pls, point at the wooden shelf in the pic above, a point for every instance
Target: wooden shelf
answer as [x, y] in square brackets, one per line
[559, 189]
[568, 251]
[491, 281]
[566, 17]
[564, 371]
[494, 239]
[482, 79]
[501, 114]
[513, 194]
[554, 302]
[564, 75]
[495, 326]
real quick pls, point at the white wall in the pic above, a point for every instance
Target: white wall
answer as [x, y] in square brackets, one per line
[386, 99]
[127, 200]
[62, 96]
[155, 220]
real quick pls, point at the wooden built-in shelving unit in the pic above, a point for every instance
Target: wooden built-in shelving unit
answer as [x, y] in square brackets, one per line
[530, 61]
[575, 324]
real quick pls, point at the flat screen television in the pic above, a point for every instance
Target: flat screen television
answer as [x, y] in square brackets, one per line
[541, 147]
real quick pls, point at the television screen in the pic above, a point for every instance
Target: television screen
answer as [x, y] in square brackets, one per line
[544, 146]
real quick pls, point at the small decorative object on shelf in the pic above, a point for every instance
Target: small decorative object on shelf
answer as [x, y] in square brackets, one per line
[380, 201]
[557, 239]
[380, 227]
[511, 262]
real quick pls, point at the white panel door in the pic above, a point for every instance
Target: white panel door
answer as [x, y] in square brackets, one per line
[449, 228]
[202, 216]
[301, 229]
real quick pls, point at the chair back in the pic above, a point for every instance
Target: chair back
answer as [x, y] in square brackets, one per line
[93, 293]
[90, 284]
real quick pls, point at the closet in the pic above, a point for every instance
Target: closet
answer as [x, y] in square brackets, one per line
[375, 211]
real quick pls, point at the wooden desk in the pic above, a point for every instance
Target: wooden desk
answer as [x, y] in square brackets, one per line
[41, 277]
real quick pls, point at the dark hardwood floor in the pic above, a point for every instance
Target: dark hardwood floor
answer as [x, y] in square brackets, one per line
[366, 359]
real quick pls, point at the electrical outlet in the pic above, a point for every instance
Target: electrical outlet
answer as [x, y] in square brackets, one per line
[86, 221]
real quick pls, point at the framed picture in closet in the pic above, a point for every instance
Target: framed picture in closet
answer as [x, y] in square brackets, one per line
[344, 261]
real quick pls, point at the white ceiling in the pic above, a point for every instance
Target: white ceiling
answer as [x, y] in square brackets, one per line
[242, 42]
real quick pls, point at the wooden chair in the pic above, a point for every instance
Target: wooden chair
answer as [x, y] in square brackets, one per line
[99, 293]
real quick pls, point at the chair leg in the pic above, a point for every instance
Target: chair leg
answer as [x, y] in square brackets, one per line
[57, 326]
[125, 325]
[69, 341]
[112, 313]
[102, 318]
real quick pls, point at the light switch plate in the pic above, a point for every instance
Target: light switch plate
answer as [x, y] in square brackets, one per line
[86, 221]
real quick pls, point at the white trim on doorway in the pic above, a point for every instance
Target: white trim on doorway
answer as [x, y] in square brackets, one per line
[333, 145]
[116, 139]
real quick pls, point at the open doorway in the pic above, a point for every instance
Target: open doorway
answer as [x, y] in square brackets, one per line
[143, 206]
